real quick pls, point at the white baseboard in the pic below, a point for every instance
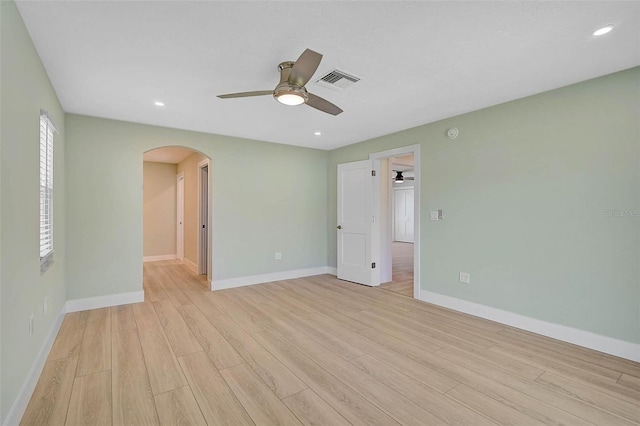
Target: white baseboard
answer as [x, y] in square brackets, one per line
[76, 305]
[159, 257]
[24, 395]
[190, 265]
[22, 400]
[576, 336]
[267, 278]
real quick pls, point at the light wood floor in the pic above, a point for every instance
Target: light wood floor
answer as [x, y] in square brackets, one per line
[316, 351]
[401, 269]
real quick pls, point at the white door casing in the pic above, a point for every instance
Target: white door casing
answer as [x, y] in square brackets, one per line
[203, 216]
[180, 216]
[355, 185]
[403, 214]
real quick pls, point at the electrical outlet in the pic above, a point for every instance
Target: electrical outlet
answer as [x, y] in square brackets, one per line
[465, 278]
[278, 255]
[433, 215]
[31, 325]
[45, 305]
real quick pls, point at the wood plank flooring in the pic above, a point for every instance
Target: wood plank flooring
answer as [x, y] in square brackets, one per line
[316, 351]
[401, 269]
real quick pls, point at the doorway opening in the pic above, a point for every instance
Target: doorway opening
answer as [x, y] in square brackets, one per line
[176, 208]
[180, 216]
[365, 228]
[396, 202]
[203, 216]
[401, 203]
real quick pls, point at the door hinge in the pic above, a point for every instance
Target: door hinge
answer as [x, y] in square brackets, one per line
[373, 265]
[373, 172]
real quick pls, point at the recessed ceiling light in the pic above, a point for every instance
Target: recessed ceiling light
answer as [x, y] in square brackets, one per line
[317, 133]
[603, 30]
[158, 103]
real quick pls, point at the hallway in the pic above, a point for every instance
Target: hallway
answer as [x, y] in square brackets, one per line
[402, 269]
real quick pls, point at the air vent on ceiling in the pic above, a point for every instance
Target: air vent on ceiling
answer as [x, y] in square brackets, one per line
[337, 79]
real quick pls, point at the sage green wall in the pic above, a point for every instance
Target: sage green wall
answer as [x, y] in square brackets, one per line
[525, 189]
[25, 89]
[1, 137]
[266, 198]
[159, 209]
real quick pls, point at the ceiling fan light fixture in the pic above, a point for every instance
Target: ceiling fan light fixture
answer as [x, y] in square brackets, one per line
[289, 94]
[399, 178]
[290, 99]
[291, 90]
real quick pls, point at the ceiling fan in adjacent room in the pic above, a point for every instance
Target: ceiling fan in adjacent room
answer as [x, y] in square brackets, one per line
[399, 178]
[291, 90]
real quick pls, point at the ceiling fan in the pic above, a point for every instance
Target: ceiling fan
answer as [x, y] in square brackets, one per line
[291, 90]
[399, 178]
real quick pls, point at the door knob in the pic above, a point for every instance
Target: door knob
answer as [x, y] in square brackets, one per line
[339, 226]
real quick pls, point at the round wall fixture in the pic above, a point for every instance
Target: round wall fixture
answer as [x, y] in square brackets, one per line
[452, 133]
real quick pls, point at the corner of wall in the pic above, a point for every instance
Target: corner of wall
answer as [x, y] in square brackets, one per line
[22, 97]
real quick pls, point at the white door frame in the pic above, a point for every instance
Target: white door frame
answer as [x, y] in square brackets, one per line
[180, 216]
[377, 207]
[204, 262]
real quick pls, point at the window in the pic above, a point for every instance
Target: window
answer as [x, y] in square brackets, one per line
[47, 130]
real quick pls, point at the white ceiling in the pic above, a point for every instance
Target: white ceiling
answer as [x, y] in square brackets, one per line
[420, 61]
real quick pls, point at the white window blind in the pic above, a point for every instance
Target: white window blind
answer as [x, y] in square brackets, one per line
[47, 129]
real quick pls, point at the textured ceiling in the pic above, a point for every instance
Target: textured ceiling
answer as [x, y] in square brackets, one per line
[420, 61]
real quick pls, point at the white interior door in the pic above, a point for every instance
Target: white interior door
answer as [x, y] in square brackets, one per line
[403, 215]
[355, 186]
[180, 217]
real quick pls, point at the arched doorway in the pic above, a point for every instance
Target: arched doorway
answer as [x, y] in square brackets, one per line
[176, 208]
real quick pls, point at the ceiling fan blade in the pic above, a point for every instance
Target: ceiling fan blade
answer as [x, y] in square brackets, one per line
[322, 104]
[246, 94]
[305, 67]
